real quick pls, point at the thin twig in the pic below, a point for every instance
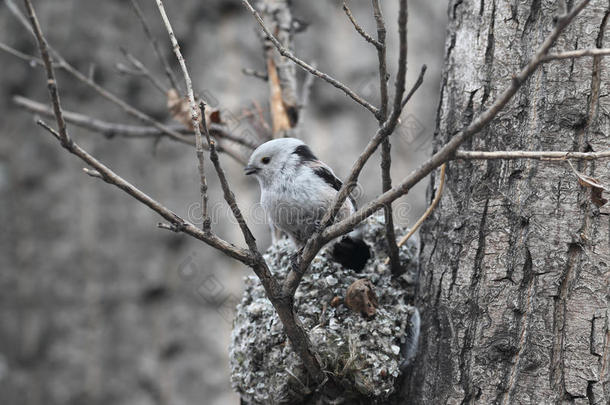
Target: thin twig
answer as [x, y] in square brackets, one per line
[307, 67]
[576, 54]
[259, 265]
[359, 29]
[112, 178]
[153, 41]
[104, 93]
[538, 155]
[129, 109]
[381, 57]
[447, 152]
[418, 82]
[319, 239]
[229, 196]
[14, 9]
[143, 71]
[441, 156]
[386, 147]
[195, 117]
[176, 221]
[435, 201]
[51, 82]
[165, 130]
[32, 60]
[110, 129]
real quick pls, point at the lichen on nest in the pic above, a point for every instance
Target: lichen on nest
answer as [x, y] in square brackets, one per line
[364, 354]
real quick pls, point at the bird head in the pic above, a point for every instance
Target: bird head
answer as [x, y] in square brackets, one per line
[278, 157]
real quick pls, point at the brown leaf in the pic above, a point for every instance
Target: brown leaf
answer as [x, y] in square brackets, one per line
[596, 187]
[180, 110]
[360, 297]
[335, 302]
[596, 197]
[213, 115]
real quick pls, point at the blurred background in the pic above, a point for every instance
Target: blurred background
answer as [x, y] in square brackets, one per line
[98, 305]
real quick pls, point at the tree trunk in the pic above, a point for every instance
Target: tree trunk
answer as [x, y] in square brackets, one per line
[514, 262]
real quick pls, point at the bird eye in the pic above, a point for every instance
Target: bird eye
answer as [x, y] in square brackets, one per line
[266, 160]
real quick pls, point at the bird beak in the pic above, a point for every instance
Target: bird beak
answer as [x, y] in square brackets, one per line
[250, 170]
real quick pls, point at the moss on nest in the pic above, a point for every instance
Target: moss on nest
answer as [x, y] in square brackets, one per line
[363, 354]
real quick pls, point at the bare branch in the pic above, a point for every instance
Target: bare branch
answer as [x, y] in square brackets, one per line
[307, 67]
[447, 152]
[100, 170]
[401, 76]
[435, 201]
[104, 93]
[358, 28]
[538, 155]
[440, 157]
[153, 41]
[229, 196]
[110, 129]
[166, 131]
[418, 82]
[176, 221]
[32, 60]
[51, 82]
[143, 71]
[14, 9]
[295, 332]
[386, 147]
[580, 53]
[381, 57]
[195, 117]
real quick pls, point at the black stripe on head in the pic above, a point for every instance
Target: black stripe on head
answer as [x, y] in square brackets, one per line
[305, 153]
[328, 177]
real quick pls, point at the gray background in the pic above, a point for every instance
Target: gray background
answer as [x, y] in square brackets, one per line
[97, 304]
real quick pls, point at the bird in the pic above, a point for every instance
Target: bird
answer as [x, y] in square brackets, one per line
[296, 191]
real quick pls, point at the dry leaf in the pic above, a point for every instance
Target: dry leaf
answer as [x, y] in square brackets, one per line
[180, 110]
[360, 297]
[335, 302]
[591, 182]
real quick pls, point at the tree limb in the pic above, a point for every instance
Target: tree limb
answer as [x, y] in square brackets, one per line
[538, 155]
[386, 155]
[284, 308]
[435, 201]
[155, 45]
[111, 129]
[195, 117]
[307, 67]
[107, 174]
[377, 44]
[447, 152]
[576, 54]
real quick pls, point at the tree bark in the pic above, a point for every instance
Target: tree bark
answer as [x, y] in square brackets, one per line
[514, 281]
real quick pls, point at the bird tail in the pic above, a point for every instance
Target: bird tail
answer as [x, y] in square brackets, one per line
[351, 251]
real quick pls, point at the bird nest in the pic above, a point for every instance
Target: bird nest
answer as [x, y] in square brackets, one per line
[364, 354]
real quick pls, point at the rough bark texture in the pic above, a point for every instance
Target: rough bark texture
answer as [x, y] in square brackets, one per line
[514, 282]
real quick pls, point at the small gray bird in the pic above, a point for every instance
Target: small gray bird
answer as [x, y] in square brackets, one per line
[296, 187]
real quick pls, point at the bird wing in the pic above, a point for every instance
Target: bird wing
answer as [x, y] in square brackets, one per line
[325, 173]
